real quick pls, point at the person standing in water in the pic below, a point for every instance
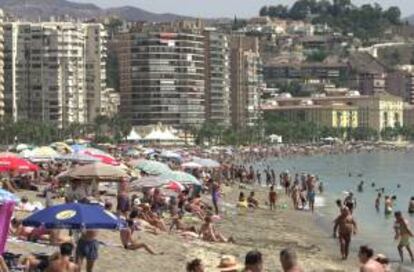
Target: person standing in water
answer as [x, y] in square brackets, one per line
[404, 234]
[345, 226]
[311, 192]
[378, 202]
[387, 205]
[350, 202]
[411, 206]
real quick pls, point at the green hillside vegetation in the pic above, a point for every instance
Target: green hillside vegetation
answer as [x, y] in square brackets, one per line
[366, 22]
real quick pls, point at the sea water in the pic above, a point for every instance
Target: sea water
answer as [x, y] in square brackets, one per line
[343, 173]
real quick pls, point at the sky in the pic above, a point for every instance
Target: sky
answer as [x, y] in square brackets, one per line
[224, 8]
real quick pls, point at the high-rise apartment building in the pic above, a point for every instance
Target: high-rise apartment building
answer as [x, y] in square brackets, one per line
[246, 81]
[95, 70]
[162, 74]
[1, 66]
[217, 76]
[53, 71]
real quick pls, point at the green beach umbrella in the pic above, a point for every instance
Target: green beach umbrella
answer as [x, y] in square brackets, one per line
[181, 177]
[152, 167]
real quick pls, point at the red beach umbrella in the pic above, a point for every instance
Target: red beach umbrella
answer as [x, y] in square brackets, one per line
[8, 164]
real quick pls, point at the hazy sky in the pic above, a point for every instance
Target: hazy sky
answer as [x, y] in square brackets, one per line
[224, 8]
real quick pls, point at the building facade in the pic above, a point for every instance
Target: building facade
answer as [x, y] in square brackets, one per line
[54, 71]
[217, 77]
[246, 81]
[162, 75]
[95, 70]
[377, 112]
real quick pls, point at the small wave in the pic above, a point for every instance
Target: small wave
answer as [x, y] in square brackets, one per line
[320, 201]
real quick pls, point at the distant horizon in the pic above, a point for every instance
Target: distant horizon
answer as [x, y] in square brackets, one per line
[225, 8]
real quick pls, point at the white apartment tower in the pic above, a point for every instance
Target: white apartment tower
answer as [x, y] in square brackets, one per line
[95, 65]
[50, 71]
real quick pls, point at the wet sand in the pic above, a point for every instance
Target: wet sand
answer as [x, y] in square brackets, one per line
[262, 229]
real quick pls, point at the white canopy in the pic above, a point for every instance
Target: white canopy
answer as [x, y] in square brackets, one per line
[133, 136]
[158, 135]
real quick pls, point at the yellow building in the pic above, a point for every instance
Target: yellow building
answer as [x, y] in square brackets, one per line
[380, 111]
[376, 111]
[344, 116]
[332, 116]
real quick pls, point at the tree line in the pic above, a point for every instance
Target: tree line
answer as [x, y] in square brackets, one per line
[38, 132]
[365, 22]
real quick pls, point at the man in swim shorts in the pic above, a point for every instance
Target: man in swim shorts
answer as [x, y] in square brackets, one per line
[404, 234]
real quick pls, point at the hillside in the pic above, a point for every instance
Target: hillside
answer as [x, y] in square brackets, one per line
[44, 9]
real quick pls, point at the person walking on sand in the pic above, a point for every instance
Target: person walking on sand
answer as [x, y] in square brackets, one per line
[368, 264]
[404, 234]
[87, 248]
[289, 261]
[272, 198]
[215, 195]
[345, 226]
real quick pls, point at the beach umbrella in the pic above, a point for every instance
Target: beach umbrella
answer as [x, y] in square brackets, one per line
[174, 186]
[9, 154]
[152, 167]
[77, 157]
[6, 196]
[181, 177]
[95, 171]
[95, 151]
[8, 164]
[41, 154]
[21, 147]
[148, 182]
[77, 147]
[107, 159]
[61, 147]
[191, 165]
[170, 154]
[208, 163]
[74, 216]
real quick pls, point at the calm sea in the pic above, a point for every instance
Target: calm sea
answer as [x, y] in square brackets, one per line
[385, 169]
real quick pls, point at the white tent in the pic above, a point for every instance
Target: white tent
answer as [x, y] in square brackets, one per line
[133, 136]
[154, 135]
[275, 138]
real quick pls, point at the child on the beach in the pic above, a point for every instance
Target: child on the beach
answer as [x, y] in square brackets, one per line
[272, 198]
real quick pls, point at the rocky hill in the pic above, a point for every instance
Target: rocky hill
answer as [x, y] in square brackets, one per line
[44, 9]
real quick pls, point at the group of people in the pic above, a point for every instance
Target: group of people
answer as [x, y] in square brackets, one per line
[253, 262]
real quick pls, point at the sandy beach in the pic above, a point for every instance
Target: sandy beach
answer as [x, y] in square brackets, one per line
[262, 229]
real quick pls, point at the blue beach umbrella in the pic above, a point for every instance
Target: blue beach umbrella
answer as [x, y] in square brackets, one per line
[6, 196]
[74, 216]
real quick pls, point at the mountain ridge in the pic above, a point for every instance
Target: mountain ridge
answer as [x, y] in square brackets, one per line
[44, 9]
